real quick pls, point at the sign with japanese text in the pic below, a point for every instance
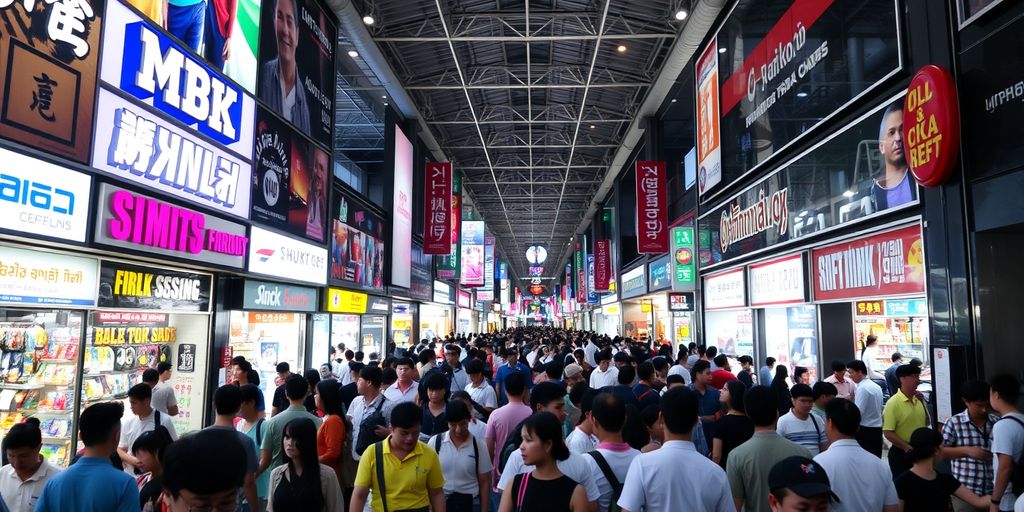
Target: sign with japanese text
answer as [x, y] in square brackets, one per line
[437, 206]
[779, 281]
[684, 271]
[40, 198]
[725, 290]
[651, 208]
[878, 265]
[264, 296]
[709, 139]
[49, 50]
[602, 264]
[280, 256]
[124, 218]
[447, 267]
[29, 277]
[345, 301]
[472, 248]
[124, 286]
[137, 145]
[931, 125]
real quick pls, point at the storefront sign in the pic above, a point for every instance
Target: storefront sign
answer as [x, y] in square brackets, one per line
[357, 243]
[39, 198]
[378, 305]
[779, 281]
[154, 226]
[931, 125]
[154, 67]
[464, 299]
[48, 57]
[634, 283]
[137, 145]
[725, 290]
[870, 307]
[709, 137]
[681, 301]
[766, 214]
[264, 296]
[29, 277]
[602, 264]
[651, 208]
[279, 256]
[186, 358]
[442, 293]
[888, 263]
[485, 295]
[345, 301]
[124, 286]
[912, 307]
[774, 56]
[437, 205]
[684, 271]
[448, 266]
[472, 254]
[613, 309]
[659, 274]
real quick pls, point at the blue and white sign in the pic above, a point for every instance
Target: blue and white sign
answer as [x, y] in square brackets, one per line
[40, 198]
[137, 145]
[910, 307]
[143, 61]
[30, 277]
[659, 275]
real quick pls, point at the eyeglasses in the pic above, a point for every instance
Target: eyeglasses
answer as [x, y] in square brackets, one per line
[195, 503]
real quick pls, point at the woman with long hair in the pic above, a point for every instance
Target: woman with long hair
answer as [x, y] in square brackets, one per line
[331, 436]
[545, 489]
[303, 483]
[923, 489]
[734, 428]
[781, 389]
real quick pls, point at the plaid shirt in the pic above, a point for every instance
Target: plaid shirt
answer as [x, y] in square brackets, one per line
[960, 431]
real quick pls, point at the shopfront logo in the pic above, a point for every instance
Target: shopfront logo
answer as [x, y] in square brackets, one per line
[265, 254]
[767, 213]
[277, 297]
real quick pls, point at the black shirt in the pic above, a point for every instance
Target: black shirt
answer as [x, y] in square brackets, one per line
[293, 493]
[280, 401]
[923, 495]
[733, 430]
[746, 378]
[348, 394]
[543, 495]
[433, 424]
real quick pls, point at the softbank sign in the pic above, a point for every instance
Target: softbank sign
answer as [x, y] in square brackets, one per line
[151, 225]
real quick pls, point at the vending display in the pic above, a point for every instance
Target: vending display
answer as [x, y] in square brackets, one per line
[39, 354]
[900, 326]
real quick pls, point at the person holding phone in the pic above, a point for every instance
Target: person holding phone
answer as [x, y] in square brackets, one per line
[967, 441]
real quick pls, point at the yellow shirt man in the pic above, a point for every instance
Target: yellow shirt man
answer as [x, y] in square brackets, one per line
[904, 415]
[406, 481]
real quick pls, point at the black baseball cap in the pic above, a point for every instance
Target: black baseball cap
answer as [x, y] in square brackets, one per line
[906, 370]
[802, 476]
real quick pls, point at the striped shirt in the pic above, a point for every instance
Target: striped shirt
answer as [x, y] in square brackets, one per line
[809, 433]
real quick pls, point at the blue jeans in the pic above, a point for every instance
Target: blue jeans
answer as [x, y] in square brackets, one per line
[186, 23]
[214, 41]
[495, 501]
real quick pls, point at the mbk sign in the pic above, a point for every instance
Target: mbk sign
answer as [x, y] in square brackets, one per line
[651, 208]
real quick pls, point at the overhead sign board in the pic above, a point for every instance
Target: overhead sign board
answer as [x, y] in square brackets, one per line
[280, 256]
[779, 281]
[877, 265]
[29, 277]
[125, 286]
[264, 296]
[725, 290]
[40, 198]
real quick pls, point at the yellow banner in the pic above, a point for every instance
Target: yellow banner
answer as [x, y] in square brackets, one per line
[344, 301]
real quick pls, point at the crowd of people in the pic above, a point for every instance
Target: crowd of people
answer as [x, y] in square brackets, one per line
[541, 419]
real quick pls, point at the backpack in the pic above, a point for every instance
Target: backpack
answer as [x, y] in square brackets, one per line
[1017, 478]
[612, 481]
[512, 442]
[367, 436]
[438, 438]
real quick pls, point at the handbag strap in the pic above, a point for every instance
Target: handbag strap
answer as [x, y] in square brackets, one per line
[524, 480]
[378, 448]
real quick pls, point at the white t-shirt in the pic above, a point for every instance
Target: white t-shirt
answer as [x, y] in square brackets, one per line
[479, 429]
[575, 467]
[483, 395]
[809, 433]
[163, 397]
[133, 427]
[599, 379]
[22, 496]
[682, 372]
[581, 442]
[676, 477]
[589, 351]
[860, 479]
[459, 464]
[619, 461]
[1007, 439]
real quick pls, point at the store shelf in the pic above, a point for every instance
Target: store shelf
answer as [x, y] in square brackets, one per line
[22, 387]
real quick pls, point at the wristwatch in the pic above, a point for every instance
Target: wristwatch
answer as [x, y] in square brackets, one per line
[996, 501]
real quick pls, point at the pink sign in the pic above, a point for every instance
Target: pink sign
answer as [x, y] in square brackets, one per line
[651, 208]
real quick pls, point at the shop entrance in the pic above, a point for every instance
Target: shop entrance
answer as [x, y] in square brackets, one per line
[998, 302]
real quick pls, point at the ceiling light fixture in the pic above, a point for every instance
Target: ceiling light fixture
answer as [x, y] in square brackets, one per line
[721, 50]
[368, 20]
[622, 48]
[593, 126]
[681, 14]
[674, 100]
[802, 94]
[353, 53]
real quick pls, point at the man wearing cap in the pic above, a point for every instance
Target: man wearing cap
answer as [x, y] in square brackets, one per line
[799, 483]
[903, 414]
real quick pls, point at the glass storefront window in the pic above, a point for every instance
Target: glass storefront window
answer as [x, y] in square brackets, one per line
[435, 321]
[371, 337]
[731, 331]
[267, 338]
[791, 337]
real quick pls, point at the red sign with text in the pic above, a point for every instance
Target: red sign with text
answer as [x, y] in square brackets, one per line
[931, 125]
[437, 205]
[602, 265]
[883, 264]
[651, 208]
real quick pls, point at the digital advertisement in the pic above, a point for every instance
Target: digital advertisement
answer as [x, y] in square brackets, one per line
[357, 244]
[401, 225]
[472, 253]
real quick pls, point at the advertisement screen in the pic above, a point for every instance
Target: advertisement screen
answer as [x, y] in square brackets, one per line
[472, 253]
[296, 77]
[401, 234]
[48, 58]
[289, 186]
[357, 245]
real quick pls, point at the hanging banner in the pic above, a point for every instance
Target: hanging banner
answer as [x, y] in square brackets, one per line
[602, 264]
[124, 286]
[488, 264]
[591, 294]
[580, 284]
[472, 253]
[448, 266]
[437, 206]
[709, 140]
[883, 264]
[683, 261]
[651, 208]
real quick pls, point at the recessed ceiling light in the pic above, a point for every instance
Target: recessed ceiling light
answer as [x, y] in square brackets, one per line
[368, 20]
[384, 97]
[353, 53]
[674, 100]
[801, 94]
[593, 126]
[721, 50]
[621, 48]
[681, 14]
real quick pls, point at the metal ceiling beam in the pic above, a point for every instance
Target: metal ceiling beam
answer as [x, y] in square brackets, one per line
[539, 121]
[538, 146]
[520, 39]
[524, 86]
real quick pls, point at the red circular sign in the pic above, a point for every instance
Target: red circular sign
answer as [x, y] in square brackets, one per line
[931, 125]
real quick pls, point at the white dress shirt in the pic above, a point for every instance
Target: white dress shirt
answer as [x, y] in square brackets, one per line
[861, 480]
[599, 379]
[581, 442]
[22, 496]
[868, 398]
[395, 395]
[360, 410]
[460, 466]
[655, 483]
[575, 467]
[483, 395]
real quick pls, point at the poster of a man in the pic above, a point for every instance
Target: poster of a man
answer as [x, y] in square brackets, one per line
[280, 85]
[895, 186]
[316, 203]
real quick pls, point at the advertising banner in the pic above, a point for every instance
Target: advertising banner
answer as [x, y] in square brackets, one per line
[264, 296]
[725, 290]
[297, 77]
[140, 59]
[659, 274]
[345, 301]
[291, 179]
[651, 208]
[775, 57]
[591, 294]
[580, 283]
[779, 281]
[684, 272]
[448, 266]
[485, 295]
[357, 244]
[401, 210]
[464, 298]
[602, 264]
[280, 256]
[29, 277]
[40, 198]
[472, 253]
[437, 206]
[709, 137]
[124, 286]
[124, 218]
[488, 263]
[878, 265]
[48, 66]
